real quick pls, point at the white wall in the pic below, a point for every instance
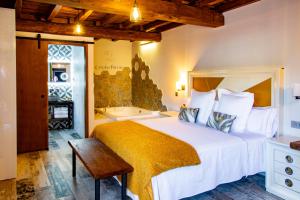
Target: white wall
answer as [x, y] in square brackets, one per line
[266, 33]
[8, 111]
[78, 88]
[90, 87]
[112, 56]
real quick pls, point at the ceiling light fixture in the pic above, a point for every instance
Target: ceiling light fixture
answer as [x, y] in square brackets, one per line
[78, 28]
[78, 25]
[135, 15]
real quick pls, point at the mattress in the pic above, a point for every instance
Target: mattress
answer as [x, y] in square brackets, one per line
[224, 158]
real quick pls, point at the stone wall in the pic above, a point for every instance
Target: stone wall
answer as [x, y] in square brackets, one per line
[145, 94]
[112, 90]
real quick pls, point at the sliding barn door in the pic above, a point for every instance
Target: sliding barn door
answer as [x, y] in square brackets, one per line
[32, 95]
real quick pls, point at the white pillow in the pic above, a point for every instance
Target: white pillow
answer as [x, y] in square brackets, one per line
[216, 105]
[222, 91]
[263, 121]
[240, 106]
[205, 102]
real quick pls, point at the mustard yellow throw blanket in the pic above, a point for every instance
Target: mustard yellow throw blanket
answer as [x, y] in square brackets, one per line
[148, 151]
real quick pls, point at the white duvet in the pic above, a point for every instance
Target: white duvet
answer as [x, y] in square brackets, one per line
[224, 158]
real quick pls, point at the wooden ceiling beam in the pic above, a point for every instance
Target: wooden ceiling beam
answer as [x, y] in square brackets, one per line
[154, 9]
[85, 15]
[208, 2]
[154, 25]
[88, 31]
[167, 27]
[233, 5]
[19, 4]
[54, 12]
[108, 19]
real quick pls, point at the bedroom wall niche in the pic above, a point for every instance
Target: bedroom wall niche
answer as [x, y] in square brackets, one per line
[112, 83]
[145, 93]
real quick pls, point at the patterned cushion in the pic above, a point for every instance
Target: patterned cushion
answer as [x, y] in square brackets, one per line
[220, 121]
[188, 114]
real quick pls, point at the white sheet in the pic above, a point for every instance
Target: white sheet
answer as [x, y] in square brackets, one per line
[256, 147]
[224, 158]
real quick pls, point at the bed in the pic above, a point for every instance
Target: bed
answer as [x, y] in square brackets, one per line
[224, 157]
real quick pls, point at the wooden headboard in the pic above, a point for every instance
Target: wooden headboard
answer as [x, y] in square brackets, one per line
[264, 83]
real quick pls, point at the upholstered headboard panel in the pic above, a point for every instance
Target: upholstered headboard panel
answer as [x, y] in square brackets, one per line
[262, 90]
[264, 83]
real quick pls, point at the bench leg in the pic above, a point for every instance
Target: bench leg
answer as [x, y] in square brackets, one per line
[97, 189]
[124, 186]
[73, 163]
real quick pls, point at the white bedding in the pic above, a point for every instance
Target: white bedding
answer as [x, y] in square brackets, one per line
[224, 158]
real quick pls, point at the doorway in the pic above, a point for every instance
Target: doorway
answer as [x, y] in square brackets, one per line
[37, 72]
[66, 93]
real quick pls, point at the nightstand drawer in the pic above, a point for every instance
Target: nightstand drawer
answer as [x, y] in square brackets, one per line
[287, 182]
[286, 157]
[287, 170]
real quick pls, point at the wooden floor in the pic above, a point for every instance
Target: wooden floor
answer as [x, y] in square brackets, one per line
[47, 175]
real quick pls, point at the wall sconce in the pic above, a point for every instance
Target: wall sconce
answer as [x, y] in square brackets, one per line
[180, 87]
[296, 91]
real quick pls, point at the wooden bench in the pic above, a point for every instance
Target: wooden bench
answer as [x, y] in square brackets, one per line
[100, 161]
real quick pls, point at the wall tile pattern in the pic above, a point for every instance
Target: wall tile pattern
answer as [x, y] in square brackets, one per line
[62, 91]
[59, 53]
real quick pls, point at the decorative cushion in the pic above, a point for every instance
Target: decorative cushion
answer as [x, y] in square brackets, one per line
[205, 102]
[188, 114]
[220, 121]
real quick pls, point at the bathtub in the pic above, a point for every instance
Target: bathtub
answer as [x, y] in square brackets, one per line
[127, 113]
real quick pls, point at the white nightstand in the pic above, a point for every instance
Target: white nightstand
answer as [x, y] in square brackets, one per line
[169, 113]
[283, 168]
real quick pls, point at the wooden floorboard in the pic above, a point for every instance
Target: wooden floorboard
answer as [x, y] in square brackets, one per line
[47, 175]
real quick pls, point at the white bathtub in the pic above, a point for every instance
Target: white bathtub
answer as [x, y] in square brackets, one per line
[126, 113]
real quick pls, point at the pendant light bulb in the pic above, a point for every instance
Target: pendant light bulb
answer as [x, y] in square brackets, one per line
[78, 25]
[78, 28]
[135, 15]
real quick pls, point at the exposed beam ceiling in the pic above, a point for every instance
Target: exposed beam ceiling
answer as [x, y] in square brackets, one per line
[109, 19]
[167, 27]
[234, 4]
[85, 15]
[54, 12]
[154, 25]
[154, 9]
[88, 31]
[208, 2]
